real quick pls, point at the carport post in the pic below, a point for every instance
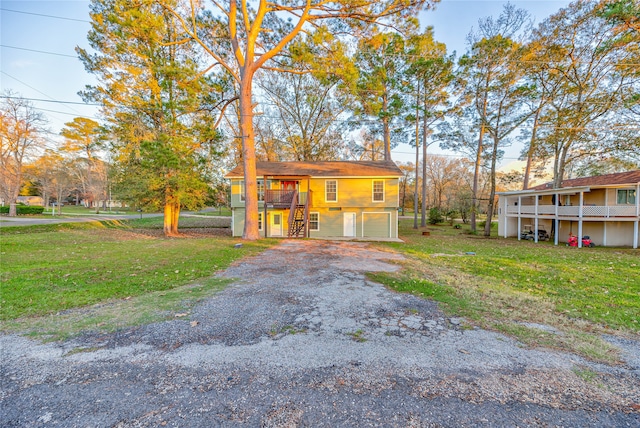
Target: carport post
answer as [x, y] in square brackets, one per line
[580, 220]
[535, 232]
[557, 222]
[519, 231]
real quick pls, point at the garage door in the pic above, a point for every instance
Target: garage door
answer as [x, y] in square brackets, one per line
[376, 225]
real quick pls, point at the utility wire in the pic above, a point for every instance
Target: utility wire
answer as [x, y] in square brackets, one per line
[44, 15]
[37, 51]
[37, 90]
[53, 101]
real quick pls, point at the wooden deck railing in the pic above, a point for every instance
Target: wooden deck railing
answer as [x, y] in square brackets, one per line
[283, 198]
[574, 211]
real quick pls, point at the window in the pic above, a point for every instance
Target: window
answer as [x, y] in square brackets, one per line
[331, 191]
[378, 190]
[260, 221]
[314, 221]
[260, 184]
[626, 197]
[261, 190]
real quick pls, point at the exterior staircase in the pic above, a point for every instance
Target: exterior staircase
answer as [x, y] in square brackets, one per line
[298, 217]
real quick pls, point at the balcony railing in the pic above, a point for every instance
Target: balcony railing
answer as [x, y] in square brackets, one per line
[574, 211]
[282, 198]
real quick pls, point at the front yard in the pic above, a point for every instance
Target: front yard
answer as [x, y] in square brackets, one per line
[560, 296]
[123, 273]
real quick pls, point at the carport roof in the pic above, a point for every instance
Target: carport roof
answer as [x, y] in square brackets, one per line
[628, 177]
[322, 169]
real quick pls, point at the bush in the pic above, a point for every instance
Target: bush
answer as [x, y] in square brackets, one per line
[23, 210]
[435, 216]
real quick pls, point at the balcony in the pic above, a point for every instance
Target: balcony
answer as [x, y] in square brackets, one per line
[276, 198]
[588, 211]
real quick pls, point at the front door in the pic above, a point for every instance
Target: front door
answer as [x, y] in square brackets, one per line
[276, 224]
[288, 185]
[349, 225]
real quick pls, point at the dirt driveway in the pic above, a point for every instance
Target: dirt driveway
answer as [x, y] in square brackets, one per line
[303, 339]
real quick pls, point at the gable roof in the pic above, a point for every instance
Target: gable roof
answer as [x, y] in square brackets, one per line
[629, 177]
[322, 169]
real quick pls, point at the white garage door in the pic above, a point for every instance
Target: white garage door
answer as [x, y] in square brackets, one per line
[376, 225]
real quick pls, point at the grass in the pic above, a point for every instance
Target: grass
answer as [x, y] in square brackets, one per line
[580, 292]
[50, 269]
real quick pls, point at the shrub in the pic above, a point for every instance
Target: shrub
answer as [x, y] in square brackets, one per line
[23, 210]
[435, 216]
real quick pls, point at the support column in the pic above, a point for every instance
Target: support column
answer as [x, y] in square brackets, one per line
[635, 234]
[505, 213]
[535, 222]
[556, 222]
[519, 218]
[580, 220]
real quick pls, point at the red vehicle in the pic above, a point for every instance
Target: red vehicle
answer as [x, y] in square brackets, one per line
[586, 241]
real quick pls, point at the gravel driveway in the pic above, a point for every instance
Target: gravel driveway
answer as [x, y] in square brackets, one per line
[303, 339]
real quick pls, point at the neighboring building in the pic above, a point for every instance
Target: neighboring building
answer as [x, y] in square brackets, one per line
[30, 200]
[605, 207]
[321, 199]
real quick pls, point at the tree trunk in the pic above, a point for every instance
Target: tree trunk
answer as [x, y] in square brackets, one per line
[171, 214]
[476, 179]
[423, 220]
[415, 187]
[250, 231]
[13, 210]
[387, 139]
[532, 147]
[492, 193]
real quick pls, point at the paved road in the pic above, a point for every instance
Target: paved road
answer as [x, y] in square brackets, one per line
[302, 338]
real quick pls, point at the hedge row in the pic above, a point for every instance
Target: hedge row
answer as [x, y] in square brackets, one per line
[23, 209]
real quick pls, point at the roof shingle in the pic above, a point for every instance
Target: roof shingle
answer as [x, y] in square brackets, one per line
[323, 169]
[629, 177]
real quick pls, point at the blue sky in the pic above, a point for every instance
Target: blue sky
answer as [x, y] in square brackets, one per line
[45, 67]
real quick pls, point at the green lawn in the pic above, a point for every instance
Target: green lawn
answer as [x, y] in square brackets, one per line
[501, 283]
[131, 272]
[48, 269]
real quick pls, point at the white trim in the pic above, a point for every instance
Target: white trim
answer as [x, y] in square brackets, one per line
[376, 212]
[310, 213]
[373, 183]
[325, 192]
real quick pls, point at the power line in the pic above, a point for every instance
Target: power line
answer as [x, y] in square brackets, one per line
[44, 15]
[62, 112]
[42, 52]
[54, 101]
[31, 87]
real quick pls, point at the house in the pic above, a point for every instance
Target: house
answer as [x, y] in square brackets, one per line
[339, 199]
[30, 200]
[605, 207]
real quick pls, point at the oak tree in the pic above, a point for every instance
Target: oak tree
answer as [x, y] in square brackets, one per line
[243, 38]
